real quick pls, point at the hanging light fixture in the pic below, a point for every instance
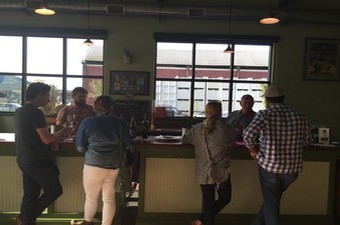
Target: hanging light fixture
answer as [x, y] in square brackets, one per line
[88, 41]
[270, 18]
[229, 49]
[44, 10]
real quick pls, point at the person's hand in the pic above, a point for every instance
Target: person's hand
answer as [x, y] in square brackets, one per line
[254, 155]
[65, 131]
[54, 146]
[253, 152]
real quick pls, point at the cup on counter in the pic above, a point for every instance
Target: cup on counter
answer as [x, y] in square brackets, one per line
[52, 129]
[185, 130]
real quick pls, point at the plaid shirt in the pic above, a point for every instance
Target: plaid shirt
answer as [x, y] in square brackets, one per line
[281, 133]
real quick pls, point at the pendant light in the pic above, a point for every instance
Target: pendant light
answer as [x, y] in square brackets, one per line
[270, 18]
[88, 41]
[44, 10]
[229, 49]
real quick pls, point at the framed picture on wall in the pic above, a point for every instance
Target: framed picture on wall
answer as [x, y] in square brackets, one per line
[322, 59]
[129, 82]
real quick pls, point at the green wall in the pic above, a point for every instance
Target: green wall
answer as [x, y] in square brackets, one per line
[318, 99]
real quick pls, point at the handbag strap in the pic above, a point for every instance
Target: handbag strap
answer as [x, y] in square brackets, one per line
[121, 143]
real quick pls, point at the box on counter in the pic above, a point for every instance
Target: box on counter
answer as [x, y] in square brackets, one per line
[160, 112]
[323, 136]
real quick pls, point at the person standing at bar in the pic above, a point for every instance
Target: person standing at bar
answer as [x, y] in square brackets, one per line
[212, 140]
[275, 139]
[77, 111]
[103, 139]
[240, 119]
[33, 143]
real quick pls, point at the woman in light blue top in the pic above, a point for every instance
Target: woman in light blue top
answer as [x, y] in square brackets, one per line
[103, 139]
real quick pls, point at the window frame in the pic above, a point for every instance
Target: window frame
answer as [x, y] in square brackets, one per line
[215, 39]
[64, 34]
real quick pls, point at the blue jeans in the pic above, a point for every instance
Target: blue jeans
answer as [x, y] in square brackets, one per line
[210, 206]
[272, 186]
[44, 176]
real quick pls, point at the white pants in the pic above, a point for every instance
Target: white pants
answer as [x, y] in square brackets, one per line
[96, 180]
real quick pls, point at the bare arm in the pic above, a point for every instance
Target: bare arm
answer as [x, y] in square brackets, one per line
[60, 117]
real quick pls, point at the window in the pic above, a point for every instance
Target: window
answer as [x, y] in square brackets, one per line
[189, 74]
[62, 62]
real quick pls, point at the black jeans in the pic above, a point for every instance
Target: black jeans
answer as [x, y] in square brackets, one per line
[44, 176]
[210, 206]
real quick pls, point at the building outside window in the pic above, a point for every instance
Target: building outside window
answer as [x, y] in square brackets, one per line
[190, 74]
[63, 63]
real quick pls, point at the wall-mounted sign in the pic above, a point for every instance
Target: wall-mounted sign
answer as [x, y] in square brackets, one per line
[129, 82]
[322, 59]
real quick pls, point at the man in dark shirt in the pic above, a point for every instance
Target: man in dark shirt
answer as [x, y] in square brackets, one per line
[240, 119]
[33, 142]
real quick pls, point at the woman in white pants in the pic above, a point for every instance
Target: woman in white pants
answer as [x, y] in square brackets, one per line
[101, 138]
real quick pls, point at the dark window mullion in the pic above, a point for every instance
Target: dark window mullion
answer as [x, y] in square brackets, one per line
[231, 82]
[192, 94]
[64, 91]
[24, 70]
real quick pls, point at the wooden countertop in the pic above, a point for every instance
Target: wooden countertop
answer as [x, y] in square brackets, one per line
[67, 148]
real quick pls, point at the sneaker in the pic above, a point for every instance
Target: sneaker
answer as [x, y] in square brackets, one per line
[75, 222]
[196, 222]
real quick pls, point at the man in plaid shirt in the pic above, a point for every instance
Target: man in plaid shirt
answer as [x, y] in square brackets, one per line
[275, 139]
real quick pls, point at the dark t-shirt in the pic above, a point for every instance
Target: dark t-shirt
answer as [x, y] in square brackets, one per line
[30, 149]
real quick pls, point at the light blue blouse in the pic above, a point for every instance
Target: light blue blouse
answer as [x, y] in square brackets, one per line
[103, 139]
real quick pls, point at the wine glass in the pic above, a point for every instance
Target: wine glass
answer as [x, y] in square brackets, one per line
[69, 125]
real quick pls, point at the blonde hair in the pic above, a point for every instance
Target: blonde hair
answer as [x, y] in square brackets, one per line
[213, 112]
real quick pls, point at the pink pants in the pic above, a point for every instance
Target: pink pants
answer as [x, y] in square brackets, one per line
[96, 180]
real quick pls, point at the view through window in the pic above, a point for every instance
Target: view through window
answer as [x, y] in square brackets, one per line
[63, 63]
[189, 75]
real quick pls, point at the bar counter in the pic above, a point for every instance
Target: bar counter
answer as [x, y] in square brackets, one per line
[168, 193]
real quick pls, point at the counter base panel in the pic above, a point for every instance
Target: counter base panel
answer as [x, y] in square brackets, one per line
[68, 206]
[170, 187]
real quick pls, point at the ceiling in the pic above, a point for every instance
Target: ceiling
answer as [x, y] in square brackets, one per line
[302, 11]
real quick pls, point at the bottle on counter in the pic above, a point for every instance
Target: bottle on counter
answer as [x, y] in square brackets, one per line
[133, 128]
[145, 127]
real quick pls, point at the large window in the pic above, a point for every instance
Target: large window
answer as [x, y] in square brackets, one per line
[190, 74]
[62, 62]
